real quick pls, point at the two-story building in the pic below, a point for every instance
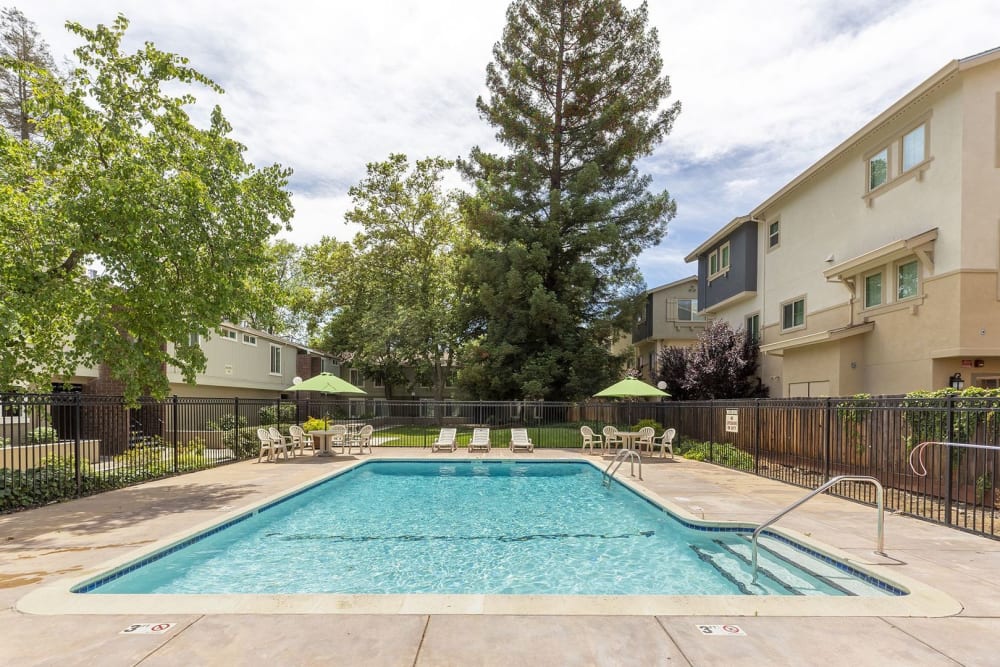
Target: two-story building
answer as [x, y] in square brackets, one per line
[877, 269]
[669, 317]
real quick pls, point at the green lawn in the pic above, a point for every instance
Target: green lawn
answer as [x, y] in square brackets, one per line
[556, 436]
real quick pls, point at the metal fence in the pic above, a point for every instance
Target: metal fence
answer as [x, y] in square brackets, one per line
[59, 446]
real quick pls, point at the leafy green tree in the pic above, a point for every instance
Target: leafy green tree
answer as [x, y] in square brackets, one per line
[396, 315]
[723, 364]
[21, 48]
[575, 94]
[277, 291]
[169, 217]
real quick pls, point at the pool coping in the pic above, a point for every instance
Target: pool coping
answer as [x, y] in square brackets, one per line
[57, 598]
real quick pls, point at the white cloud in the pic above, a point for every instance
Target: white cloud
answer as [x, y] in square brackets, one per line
[326, 87]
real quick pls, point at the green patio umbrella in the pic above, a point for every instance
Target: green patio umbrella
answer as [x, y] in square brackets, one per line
[631, 388]
[326, 383]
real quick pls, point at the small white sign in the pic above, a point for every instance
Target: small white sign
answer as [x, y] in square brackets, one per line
[722, 630]
[732, 421]
[147, 628]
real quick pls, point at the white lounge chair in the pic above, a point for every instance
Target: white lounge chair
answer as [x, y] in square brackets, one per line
[480, 440]
[519, 440]
[590, 439]
[666, 441]
[445, 440]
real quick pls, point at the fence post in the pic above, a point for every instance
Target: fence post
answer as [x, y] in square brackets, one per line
[236, 427]
[949, 421]
[77, 453]
[826, 440]
[756, 436]
[174, 419]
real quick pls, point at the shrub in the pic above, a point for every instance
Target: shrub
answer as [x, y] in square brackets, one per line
[226, 423]
[648, 422]
[721, 453]
[4, 442]
[43, 434]
[270, 414]
[314, 424]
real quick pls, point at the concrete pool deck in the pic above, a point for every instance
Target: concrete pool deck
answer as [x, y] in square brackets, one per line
[73, 540]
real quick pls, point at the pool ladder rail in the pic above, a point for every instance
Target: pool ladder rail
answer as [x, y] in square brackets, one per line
[633, 458]
[880, 520]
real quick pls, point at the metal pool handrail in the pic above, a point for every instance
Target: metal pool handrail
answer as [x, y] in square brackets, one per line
[918, 452]
[880, 521]
[620, 457]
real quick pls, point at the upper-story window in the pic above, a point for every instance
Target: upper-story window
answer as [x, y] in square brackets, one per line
[194, 340]
[718, 261]
[873, 290]
[355, 377]
[914, 147]
[686, 308]
[249, 339]
[793, 314]
[907, 280]
[275, 360]
[229, 334]
[878, 169]
[773, 234]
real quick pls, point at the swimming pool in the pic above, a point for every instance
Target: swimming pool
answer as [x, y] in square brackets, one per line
[477, 527]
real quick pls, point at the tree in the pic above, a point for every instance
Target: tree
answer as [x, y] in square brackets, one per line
[169, 220]
[575, 95]
[395, 286]
[21, 48]
[723, 364]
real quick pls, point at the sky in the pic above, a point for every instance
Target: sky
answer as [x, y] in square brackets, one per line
[766, 88]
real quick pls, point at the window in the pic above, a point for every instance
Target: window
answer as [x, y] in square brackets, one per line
[914, 147]
[249, 339]
[229, 334]
[194, 340]
[793, 314]
[907, 280]
[355, 377]
[878, 169]
[378, 381]
[718, 261]
[873, 290]
[686, 309]
[753, 327]
[773, 234]
[275, 360]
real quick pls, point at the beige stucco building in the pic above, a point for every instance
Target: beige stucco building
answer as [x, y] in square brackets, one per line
[878, 268]
[669, 317]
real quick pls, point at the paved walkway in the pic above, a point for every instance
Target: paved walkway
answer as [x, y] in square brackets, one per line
[71, 539]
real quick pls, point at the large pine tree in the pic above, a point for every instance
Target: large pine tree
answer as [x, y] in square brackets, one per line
[577, 96]
[20, 45]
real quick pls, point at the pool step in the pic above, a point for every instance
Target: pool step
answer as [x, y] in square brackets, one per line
[731, 567]
[827, 573]
[788, 568]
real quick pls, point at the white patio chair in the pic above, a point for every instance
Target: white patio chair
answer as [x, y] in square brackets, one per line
[612, 440]
[363, 440]
[300, 439]
[666, 441]
[590, 439]
[269, 447]
[282, 440]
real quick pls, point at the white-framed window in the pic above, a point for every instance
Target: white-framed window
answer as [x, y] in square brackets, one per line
[355, 377]
[873, 290]
[249, 339]
[377, 382]
[907, 280]
[914, 147]
[194, 340]
[878, 169]
[718, 261]
[793, 314]
[753, 327]
[774, 234]
[686, 308]
[229, 334]
[275, 360]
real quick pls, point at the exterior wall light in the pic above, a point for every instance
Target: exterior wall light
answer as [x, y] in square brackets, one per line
[956, 381]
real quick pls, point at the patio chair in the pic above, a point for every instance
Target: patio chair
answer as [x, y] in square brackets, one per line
[283, 440]
[269, 447]
[612, 440]
[445, 440]
[363, 440]
[645, 439]
[480, 440]
[666, 441]
[519, 440]
[590, 439]
[300, 439]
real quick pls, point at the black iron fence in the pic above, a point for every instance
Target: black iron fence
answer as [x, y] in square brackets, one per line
[59, 446]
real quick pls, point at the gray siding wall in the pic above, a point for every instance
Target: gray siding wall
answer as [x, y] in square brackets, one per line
[742, 275]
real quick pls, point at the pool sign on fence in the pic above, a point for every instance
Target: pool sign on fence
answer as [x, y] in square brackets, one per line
[732, 421]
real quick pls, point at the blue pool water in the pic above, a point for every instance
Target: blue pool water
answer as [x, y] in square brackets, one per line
[477, 527]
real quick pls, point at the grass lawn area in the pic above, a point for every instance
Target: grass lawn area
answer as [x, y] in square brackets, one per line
[562, 436]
